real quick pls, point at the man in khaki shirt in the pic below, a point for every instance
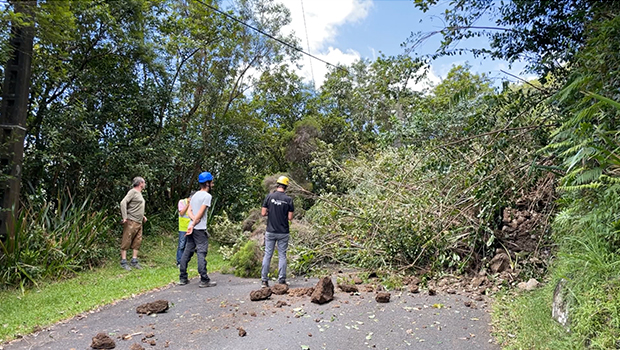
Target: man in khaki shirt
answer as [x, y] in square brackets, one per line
[132, 210]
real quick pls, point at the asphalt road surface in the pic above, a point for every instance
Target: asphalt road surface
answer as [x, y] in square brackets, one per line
[209, 318]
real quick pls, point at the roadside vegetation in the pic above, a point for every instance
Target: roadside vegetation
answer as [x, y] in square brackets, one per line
[384, 178]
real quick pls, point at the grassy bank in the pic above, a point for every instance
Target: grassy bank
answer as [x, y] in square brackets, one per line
[588, 234]
[21, 312]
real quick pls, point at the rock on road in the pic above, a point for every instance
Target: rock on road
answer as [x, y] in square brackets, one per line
[214, 318]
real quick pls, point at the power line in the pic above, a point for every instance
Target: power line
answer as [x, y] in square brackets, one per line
[307, 40]
[268, 35]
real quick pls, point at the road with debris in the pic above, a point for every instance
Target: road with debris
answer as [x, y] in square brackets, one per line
[215, 318]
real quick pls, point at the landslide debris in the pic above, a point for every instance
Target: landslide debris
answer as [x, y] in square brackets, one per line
[348, 288]
[383, 297]
[102, 341]
[323, 291]
[261, 294]
[155, 307]
[279, 289]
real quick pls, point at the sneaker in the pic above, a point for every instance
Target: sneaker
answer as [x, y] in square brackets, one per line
[125, 266]
[207, 284]
[182, 282]
[135, 264]
[264, 284]
[283, 282]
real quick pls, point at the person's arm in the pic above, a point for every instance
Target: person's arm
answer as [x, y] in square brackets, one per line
[183, 207]
[190, 213]
[124, 202]
[291, 210]
[197, 218]
[264, 211]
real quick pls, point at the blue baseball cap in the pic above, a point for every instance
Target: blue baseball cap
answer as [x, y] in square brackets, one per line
[204, 177]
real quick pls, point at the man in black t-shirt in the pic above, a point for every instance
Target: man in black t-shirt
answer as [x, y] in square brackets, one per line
[278, 207]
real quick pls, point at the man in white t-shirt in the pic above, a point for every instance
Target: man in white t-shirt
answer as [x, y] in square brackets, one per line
[197, 236]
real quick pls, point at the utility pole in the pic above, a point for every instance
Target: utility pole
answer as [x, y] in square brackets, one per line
[13, 113]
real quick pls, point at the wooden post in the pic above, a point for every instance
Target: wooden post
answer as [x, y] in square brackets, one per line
[13, 113]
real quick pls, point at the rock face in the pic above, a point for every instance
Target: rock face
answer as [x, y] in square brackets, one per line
[500, 263]
[347, 288]
[102, 341]
[155, 307]
[560, 306]
[383, 297]
[279, 289]
[260, 294]
[323, 291]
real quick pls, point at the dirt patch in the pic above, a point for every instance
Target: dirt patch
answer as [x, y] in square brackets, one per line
[136, 346]
[158, 306]
[300, 292]
[500, 263]
[258, 234]
[253, 217]
[323, 291]
[261, 294]
[523, 226]
[102, 341]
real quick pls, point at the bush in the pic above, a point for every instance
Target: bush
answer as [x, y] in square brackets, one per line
[225, 231]
[248, 260]
[53, 240]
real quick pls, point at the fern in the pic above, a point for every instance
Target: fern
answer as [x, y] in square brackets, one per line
[588, 176]
[575, 188]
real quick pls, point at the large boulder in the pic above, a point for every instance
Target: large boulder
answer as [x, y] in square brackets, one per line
[323, 291]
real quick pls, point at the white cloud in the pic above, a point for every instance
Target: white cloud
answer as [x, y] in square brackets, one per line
[323, 18]
[430, 80]
[320, 69]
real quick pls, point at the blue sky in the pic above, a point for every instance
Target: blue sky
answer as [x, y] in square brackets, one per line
[342, 31]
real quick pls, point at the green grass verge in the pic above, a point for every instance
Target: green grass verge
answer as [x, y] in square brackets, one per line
[523, 321]
[21, 312]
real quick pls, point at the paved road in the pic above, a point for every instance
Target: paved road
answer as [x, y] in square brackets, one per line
[208, 318]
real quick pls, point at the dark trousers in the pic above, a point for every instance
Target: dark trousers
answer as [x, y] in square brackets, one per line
[199, 241]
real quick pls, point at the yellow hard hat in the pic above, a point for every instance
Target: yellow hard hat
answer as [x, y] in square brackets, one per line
[283, 180]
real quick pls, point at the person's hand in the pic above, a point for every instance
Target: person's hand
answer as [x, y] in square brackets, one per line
[123, 221]
[144, 218]
[189, 230]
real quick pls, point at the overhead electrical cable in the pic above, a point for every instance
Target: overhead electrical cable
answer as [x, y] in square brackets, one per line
[267, 34]
[307, 41]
